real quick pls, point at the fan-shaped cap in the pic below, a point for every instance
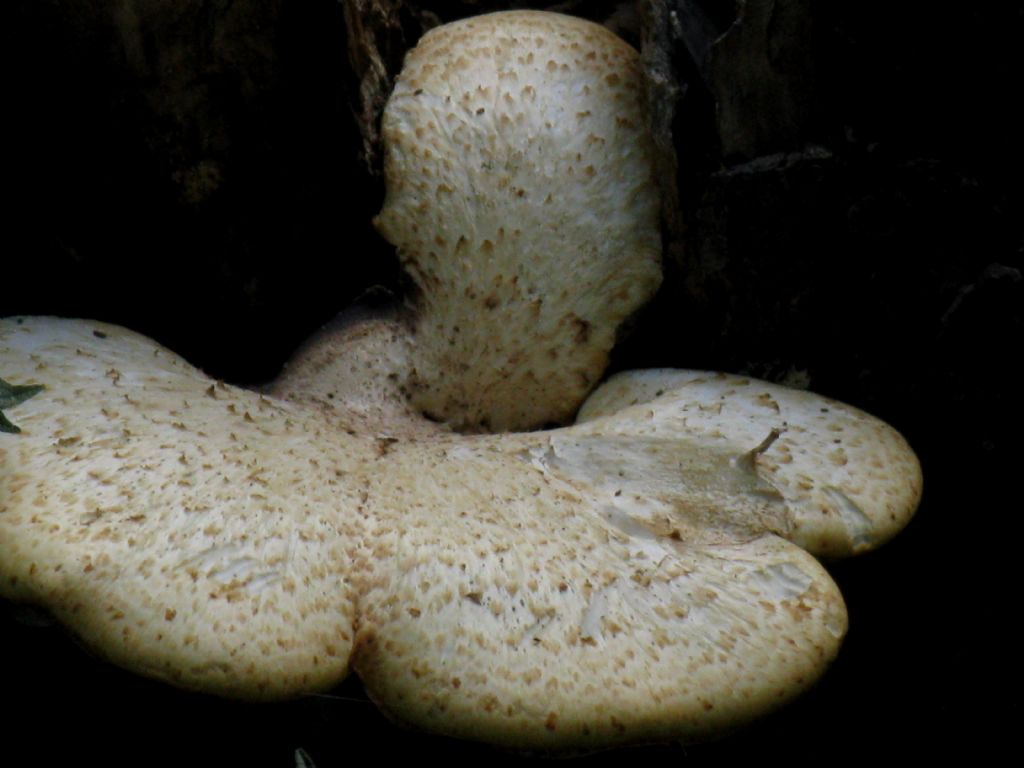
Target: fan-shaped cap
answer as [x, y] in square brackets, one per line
[566, 590]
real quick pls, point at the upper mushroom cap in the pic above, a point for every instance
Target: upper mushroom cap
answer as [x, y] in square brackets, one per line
[521, 199]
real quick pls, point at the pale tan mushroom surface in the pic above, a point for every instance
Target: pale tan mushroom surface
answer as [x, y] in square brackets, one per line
[520, 198]
[638, 576]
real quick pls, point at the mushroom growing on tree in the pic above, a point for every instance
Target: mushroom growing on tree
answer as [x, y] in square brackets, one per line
[645, 574]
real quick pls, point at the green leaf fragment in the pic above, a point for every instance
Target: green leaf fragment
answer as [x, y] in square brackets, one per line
[12, 395]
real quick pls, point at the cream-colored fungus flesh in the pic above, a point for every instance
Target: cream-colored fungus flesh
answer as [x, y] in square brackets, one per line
[641, 575]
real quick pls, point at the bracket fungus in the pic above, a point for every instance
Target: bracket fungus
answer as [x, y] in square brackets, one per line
[645, 574]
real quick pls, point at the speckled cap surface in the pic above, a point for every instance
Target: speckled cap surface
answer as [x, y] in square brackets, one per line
[521, 199]
[183, 528]
[566, 590]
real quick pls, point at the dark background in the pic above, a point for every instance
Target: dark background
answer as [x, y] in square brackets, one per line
[852, 222]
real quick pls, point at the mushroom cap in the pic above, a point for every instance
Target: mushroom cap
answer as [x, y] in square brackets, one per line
[521, 199]
[564, 590]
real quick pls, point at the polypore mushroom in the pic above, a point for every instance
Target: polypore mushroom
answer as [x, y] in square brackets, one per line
[638, 576]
